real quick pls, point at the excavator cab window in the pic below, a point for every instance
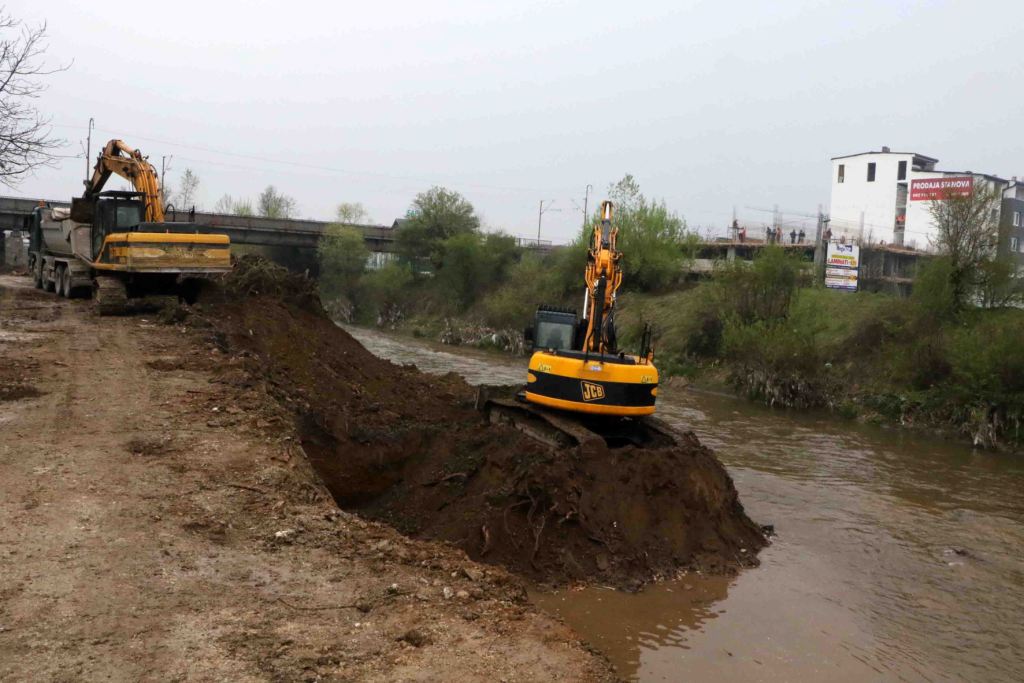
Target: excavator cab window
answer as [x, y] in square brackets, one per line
[555, 335]
[555, 329]
[127, 215]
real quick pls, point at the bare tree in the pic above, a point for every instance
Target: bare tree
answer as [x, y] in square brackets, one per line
[968, 234]
[243, 207]
[186, 196]
[351, 213]
[225, 204]
[239, 207]
[26, 140]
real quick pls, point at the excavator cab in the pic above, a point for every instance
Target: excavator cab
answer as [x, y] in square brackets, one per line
[554, 328]
[109, 212]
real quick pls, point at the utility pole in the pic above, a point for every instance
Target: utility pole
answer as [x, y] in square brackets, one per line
[819, 248]
[163, 172]
[540, 214]
[586, 198]
[88, 149]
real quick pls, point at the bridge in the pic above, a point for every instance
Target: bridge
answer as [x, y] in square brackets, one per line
[243, 230]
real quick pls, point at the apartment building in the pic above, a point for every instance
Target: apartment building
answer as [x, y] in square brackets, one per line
[883, 197]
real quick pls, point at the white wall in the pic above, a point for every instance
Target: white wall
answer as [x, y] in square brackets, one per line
[877, 200]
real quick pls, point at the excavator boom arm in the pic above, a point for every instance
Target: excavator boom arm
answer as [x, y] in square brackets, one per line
[603, 277]
[120, 159]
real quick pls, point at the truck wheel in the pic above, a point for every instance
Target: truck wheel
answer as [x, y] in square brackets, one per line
[65, 283]
[48, 284]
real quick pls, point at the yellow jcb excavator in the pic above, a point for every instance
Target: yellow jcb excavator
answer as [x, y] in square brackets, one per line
[577, 365]
[117, 244]
[580, 387]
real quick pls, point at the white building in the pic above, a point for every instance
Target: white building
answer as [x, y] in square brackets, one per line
[883, 197]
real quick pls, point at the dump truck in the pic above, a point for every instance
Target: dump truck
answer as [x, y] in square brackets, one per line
[116, 245]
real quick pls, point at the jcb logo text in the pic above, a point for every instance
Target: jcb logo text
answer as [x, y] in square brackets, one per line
[592, 392]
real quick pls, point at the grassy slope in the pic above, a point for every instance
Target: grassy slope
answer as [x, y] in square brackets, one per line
[864, 354]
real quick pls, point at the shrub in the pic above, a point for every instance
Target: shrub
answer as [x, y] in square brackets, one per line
[513, 303]
[473, 264]
[761, 291]
[933, 290]
[651, 238]
[343, 254]
[384, 293]
[777, 362]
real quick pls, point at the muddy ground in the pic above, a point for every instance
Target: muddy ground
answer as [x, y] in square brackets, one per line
[411, 449]
[161, 522]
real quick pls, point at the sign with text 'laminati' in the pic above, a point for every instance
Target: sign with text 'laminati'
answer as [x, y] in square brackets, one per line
[930, 189]
[842, 266]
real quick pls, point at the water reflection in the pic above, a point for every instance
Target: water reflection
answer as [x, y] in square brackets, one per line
[900, 556]
[659, 617]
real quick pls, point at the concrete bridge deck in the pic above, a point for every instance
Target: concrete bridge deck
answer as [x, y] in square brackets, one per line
[248, 230]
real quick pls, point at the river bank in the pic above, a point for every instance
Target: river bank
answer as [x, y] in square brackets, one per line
[897, 554]
[860, 356]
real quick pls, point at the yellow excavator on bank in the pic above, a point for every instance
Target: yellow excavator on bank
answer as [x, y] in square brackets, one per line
[116, 244]
[580, 387]
[577, 365]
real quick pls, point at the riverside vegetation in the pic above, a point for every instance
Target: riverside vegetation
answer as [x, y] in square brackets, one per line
[948, 357]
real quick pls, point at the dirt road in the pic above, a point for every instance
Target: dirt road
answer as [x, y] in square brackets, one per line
[159, 523]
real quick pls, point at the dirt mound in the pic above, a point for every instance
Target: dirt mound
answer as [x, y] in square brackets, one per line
[410, 449]
[253, 275]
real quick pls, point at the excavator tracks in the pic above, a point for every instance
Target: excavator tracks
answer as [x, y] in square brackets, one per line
[111, 296]
[558, 429]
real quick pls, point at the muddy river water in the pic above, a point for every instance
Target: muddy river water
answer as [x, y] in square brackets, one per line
[898, 556]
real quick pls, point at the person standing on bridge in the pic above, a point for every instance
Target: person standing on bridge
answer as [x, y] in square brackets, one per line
[802, 236]
[792, 236]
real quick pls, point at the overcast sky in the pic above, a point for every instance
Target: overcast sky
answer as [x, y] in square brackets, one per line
[710, 105]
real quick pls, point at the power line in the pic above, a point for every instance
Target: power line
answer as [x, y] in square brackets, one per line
[301, 164]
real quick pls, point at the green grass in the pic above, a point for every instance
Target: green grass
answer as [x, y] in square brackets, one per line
[866, 355]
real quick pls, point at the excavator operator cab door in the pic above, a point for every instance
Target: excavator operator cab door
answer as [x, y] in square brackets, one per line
[114, 214]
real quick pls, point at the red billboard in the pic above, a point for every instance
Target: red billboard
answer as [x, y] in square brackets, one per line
[927, 189]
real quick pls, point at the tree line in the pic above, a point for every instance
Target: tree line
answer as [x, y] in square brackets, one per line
[447, 264]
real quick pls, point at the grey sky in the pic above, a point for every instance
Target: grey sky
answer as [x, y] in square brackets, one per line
[710, 105]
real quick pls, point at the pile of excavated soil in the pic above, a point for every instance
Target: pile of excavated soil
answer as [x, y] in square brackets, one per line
[410, 449]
